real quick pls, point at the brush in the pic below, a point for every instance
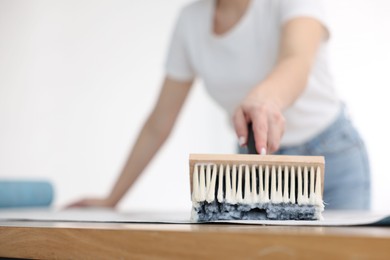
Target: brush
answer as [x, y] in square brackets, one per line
[256, 187]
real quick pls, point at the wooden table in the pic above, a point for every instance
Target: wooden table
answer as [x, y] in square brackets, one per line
[77, 240]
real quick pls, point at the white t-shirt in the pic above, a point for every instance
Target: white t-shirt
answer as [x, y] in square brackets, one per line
[232, 64]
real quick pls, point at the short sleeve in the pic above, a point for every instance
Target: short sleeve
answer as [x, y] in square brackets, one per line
[291, 9]
[178, 65]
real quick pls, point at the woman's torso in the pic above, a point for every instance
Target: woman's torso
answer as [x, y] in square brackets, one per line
[232, 64]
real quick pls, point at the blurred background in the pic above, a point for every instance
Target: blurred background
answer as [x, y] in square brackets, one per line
[78, 78]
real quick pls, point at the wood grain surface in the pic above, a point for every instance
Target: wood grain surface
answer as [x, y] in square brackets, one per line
[72, 240]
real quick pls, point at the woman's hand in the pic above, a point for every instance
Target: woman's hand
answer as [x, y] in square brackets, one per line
[92, 202]
[266, 118]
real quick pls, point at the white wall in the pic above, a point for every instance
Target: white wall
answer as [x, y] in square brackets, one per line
[77, 79]
[361, 62]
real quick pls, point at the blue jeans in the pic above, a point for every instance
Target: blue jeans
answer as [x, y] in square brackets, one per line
[347, 169]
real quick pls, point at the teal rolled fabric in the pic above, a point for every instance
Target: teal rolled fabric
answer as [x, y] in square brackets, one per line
[16, 194]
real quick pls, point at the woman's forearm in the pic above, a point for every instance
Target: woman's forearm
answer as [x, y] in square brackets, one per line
[286, 82]
[150, 140]
[152, 136]
[300, 40]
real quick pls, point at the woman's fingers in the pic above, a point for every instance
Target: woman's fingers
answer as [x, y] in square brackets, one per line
[76, 204]
[240, 126]
[275, 132]
[260, 130]
[90, 202]
[267, 123]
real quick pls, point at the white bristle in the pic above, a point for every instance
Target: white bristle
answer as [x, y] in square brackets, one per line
[248, 184]
[285, 189]
[312, 195]
[247, 195]
[279, 195]
[239, 187]
[292, 186]
[318, 186]
[300, 195]
[266, 185]
[254, 187]
[208, 175]
[202, 184]
[276, 185]
[305, 186]
[195, 181]
[273, 184]
[228, 186]
[220, 184]
[234, 184]
[211, 188]
[261, 185]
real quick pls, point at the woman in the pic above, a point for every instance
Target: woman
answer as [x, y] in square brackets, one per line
[265, 63]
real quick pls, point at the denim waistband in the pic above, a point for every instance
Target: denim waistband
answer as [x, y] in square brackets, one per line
[342, 122]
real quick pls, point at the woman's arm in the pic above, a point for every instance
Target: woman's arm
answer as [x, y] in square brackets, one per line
[300, 40]
[153, 134]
